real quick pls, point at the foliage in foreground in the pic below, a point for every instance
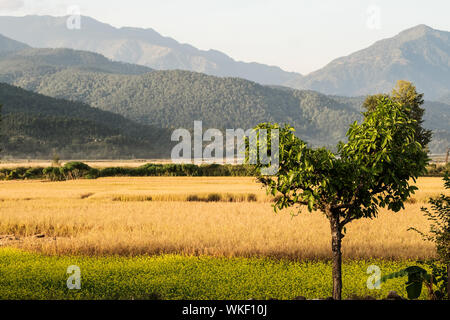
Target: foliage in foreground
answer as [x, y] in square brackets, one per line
[33, 276]
[417, 278]
[440, 224]
[439, 234]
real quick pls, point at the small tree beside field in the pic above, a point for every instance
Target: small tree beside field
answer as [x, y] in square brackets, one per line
[372, 170]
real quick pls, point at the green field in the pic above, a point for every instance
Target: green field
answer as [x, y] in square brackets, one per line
[26, 275]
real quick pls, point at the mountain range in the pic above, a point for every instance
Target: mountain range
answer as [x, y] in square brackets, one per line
[174, 98]
[131, 109]
[420, 54]
[134, 45]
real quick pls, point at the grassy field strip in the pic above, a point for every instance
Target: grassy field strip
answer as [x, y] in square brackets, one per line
[33, 276]
[218, 229]
[174, 188]
[79, 217]
[107, 188]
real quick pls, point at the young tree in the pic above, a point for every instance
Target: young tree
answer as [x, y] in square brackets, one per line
[371, 170]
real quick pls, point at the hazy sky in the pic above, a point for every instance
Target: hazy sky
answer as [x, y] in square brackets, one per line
[297, 35]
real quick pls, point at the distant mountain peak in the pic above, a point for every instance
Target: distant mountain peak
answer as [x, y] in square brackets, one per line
[417, 32]
[138, 46]
[419, 54]
[420, 28]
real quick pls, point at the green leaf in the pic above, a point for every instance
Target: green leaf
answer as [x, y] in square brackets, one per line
[414, 289]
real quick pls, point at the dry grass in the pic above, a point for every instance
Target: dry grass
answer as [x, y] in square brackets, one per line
[166, 188]
[81, 217]
[196, 197]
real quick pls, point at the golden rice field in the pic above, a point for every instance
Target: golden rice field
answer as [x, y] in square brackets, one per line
[154, 215]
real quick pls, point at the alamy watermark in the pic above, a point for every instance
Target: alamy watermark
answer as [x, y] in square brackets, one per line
[373, 21]
[374, 280]
[232, 150]
[74, 281]
[73, 21]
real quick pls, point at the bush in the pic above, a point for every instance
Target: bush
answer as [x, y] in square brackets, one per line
[34, 173]
[434, 170]
[70, 171]
[214, 197]
[53, 174]
[93, 173]
[193, 198]
[12, 175]
[75, 170]
[76, 165]
[117, 171]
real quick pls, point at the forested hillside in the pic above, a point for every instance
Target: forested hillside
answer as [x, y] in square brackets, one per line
[34, 125]
[41, 61]
[173, 99]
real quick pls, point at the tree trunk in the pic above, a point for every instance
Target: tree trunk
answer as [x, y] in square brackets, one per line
[336, 239]
[448, 281]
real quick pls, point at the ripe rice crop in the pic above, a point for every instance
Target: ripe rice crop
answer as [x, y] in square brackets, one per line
[80, 217]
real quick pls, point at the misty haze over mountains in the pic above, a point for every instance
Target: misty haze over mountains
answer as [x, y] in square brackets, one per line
[10, 45]
[134, 45]
[208, 89]
[420, 54]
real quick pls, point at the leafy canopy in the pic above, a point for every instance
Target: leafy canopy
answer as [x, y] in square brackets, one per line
[373, 169]
[406, 94]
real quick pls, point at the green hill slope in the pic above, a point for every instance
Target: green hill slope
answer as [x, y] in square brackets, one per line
[10, 45]
[34, 125]
[173, 99]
